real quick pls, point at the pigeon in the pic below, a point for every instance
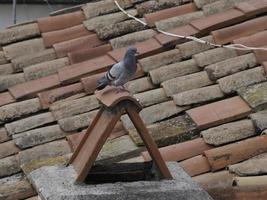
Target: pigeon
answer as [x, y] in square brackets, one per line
[121, 72]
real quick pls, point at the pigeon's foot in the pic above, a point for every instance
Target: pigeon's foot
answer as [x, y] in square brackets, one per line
[121, 89]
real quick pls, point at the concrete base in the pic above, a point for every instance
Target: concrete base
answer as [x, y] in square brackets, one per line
[57, 183]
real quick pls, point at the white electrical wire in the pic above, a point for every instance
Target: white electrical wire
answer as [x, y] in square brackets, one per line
[230, 46]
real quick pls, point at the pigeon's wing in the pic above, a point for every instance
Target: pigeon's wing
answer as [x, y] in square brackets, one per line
[115, 72]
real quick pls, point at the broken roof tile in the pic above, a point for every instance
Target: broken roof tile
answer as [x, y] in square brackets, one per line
[260, 120]
[196, 165]
[19, 33]
[218, 20]
[73, 107]
[252, 7]
[58, 22]
[95, 9]
[18, 49]
[19, 109]
[86, 54]
[29, 123]
[231, 66]
[151, 18]
[155, 113]
[229, 132]
[158, 60]
[228, 34]
[132, 38]
[186, 30]
[145, 48]
[48, 150]
[84, 42]
[198, 95]
[44, 69]
[151, 97]
[100, 21]
[27, 60]
[9, 80]
[187, 82]
[75, 72]
[8, 148]
[170, 131]
[139, 85]
[232, 83]
[221, 157]
[3, 135]
[6, 98]
[50, 96]
[181, 151]
[173, 70]
[77, 121]
[190, 48]
[214, 55]
[118, 29]
[255, 95]
[34, 86]
[9, 166]
[90, 83]
[219, 112]
[177, 21]
[38, 136]
[62, 35]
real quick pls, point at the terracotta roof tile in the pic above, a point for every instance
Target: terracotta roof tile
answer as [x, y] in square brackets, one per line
[264, 64]
[219, 6]
[252, 7]
[218, 20]
[3, 59]
[50, 96]
[139, 85]
[73, 72]
[60, 21]
[232, 83]
[8, 148]
[90, 83]
[201, 3]
[186, 30]
[53, 37]
[9, 166]
[34, 86]
[260, 121]
[196, 165]
[219, 112]
[146, 48]
[261, 55]
[86, 54]
[233, 153]
[6, 69]
[8, 81]
[228, 34]
[181, 151]
[151, 18]
[3, 135]
[85, 42]
[6, 98]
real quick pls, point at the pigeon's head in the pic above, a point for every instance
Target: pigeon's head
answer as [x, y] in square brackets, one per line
[132, 51]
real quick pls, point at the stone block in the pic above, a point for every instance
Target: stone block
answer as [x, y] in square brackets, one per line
[174, 70]
[57, 183]
[10, 80]
[48, 150]
[100, 21]
[232, 83]
[158, 60]
[229, 132]
[19, 109]
[184, 83]
[199, 95]
[45, 68]
[19, 33]
[73, 107]
[255, 95]
[188, 49]
[24, 61]
[9, 166]
[132, 38]
[77, 121]
[170, 131]
[231, 66]
[29, 123]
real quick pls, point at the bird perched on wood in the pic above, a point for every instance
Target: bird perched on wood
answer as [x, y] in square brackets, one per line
[121, 72]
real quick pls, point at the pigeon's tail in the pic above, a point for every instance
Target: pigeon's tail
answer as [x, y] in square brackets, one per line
[102, 83]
